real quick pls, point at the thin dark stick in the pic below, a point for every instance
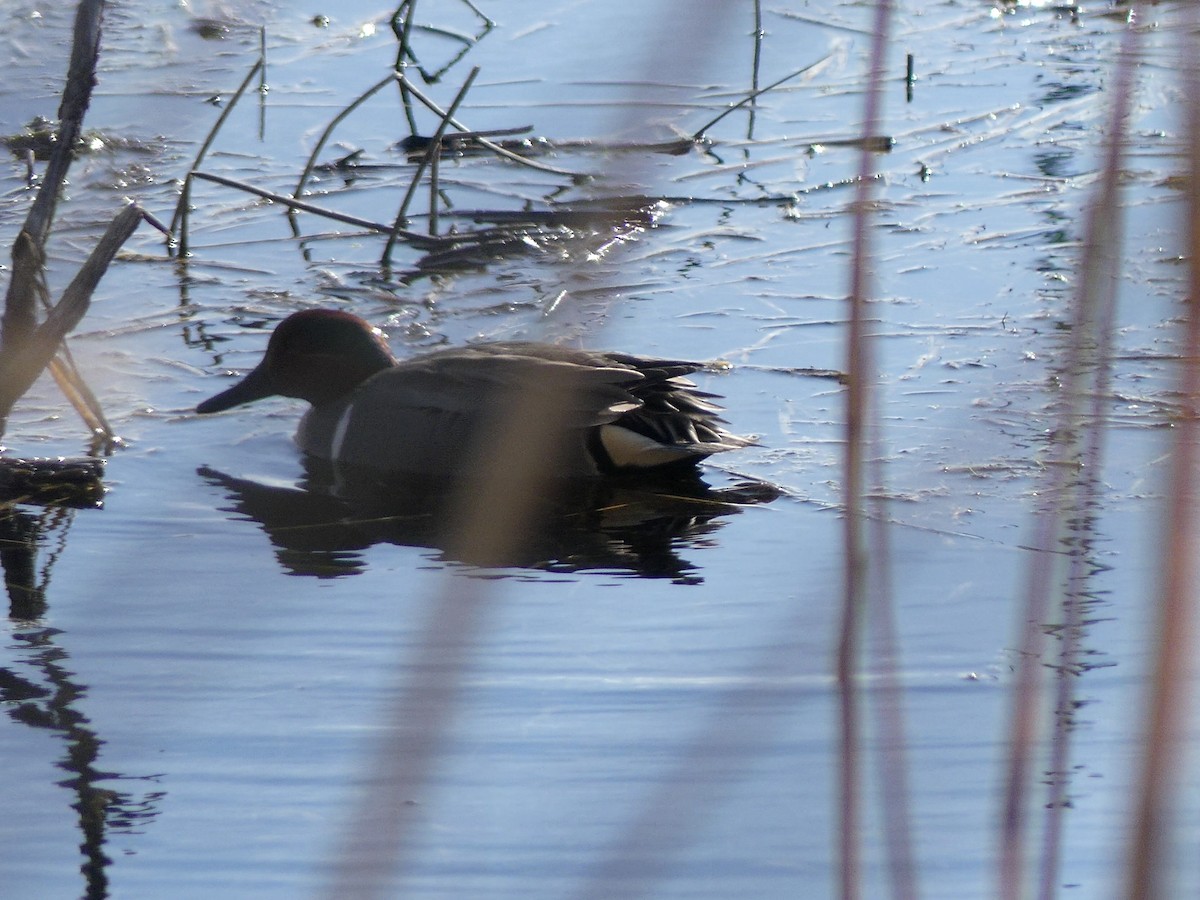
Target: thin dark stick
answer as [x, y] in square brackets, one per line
[421, 240]
[212, 136]
[334, 123]
[487, 20]
[462, 138]
[495, 148]
[183, 212]
[434, 148]
[401, 28]
[699, 133]
[434, 167]
[755, 66]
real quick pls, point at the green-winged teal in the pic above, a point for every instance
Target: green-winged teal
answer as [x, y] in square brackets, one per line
[426, 415]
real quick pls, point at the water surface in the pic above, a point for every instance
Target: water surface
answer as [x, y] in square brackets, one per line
[659, 717]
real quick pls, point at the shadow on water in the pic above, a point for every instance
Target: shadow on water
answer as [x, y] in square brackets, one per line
[626, 526]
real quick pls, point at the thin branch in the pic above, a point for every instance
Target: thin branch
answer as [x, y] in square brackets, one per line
[402, 28]
[181, 206]
[334, 123]
[415, 237]
[431, 151]
[495, 148]
[699, 133]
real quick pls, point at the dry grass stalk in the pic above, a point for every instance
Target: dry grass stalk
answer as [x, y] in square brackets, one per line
[1164, 738]
[27, 348]
[861, 436]
[1053, 573]
[1081, 429]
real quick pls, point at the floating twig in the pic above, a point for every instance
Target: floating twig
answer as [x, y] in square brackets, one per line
[415, 237]
[495, 148]
[416, 143]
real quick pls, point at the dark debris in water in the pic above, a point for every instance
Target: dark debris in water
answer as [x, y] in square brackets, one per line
[468, 145]
[40, 136]
[561, 231]
[54, 481]
[211, 29]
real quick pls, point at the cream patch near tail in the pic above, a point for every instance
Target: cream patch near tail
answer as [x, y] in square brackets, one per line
[628, 449]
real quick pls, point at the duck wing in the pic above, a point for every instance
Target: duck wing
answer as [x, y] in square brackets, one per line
[433, 414]
[671, 422]
[436, 412]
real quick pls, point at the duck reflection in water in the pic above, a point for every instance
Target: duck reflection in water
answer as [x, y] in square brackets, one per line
[320, 527]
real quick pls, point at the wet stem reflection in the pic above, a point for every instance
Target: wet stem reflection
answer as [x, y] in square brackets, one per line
[50, 699]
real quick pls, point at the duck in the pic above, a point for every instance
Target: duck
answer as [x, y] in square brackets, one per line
[433, 414]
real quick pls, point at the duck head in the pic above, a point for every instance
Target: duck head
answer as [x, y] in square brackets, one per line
[316, 355]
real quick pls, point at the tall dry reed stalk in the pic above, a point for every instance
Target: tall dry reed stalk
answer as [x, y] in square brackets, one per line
[867, 595]
[1042, 694]
[1165, 749]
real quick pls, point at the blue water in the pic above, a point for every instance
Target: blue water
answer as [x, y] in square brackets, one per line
[613, 734]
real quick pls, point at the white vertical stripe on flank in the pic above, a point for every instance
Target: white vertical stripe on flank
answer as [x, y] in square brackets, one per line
[339, 433]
